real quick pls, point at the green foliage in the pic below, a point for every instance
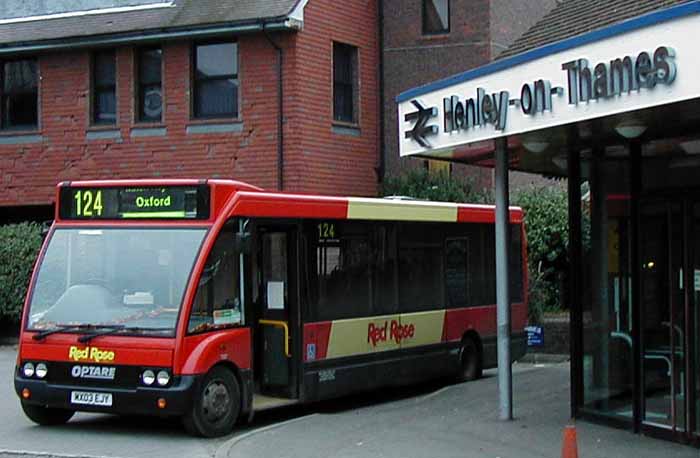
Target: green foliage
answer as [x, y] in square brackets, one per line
[546, 220]
[19, 246]
[419, 184]
[547, 228]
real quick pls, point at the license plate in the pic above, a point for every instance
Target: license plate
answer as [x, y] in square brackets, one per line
[90, 398]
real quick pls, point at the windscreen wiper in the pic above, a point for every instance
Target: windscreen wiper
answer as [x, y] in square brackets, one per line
[147, 328]
[112, 329]
[60, 328]
[103, 331]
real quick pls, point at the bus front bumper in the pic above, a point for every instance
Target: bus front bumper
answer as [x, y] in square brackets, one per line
[173, 400]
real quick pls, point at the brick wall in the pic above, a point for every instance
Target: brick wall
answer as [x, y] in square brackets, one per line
[556, 336]
[479, 29]
[31, 171]
[412, 59]
[328, 157]
[316, 159]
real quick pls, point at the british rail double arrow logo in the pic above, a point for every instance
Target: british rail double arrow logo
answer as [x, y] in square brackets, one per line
[420, 129]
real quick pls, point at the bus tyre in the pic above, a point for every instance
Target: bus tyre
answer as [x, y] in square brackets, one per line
[216, 406]
[46, 416]
[469, 361]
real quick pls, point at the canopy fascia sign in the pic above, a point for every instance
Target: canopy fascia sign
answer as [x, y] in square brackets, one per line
[647, 61]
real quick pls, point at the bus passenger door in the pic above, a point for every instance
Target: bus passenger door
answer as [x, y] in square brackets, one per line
[277, 292]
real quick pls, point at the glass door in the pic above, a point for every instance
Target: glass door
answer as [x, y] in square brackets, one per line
[693, 317]
[276, 310]
[663, 282]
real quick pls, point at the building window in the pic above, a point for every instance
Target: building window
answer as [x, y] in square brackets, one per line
[19, 94]
[436, 16]
[104, 84]
[216, 80]
[345, 83]
[150, 85]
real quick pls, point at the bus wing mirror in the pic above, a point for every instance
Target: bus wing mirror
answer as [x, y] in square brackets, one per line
[242, 242]
[45, 228]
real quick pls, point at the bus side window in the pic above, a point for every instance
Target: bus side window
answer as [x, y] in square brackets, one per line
[383, 262]
[217, 302]
[516, 264]
[487, 262]
[483, 265]
[339, 271]
[420, 267]
[457, 272]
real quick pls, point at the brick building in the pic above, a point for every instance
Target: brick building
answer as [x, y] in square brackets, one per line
[423, 41]
[187, 88]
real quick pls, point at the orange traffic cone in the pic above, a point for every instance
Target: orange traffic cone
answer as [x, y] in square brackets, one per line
[569, 448]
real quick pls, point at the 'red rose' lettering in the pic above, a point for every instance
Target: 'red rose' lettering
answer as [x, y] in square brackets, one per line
[376, 333]
[396, 332]
[399, 332]
[370, 334]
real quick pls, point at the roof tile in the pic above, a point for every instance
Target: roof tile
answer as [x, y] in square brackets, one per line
[575, 17]
[183, 14]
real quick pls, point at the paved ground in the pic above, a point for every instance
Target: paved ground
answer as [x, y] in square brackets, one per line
[93, 435]
[454, 421]
[431, 420]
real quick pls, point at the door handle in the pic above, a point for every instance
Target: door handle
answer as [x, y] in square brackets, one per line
[285, 327]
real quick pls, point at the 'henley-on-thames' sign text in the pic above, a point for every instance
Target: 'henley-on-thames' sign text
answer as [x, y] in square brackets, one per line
[585, 83]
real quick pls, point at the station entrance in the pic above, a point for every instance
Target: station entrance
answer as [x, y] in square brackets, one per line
[615, 112]
[635, 271]
[657, 333]
[670, 253]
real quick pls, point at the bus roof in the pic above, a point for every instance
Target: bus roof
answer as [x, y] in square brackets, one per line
[160, 182]
[239, 198]
[283, 205]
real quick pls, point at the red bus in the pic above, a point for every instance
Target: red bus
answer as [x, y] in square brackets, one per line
[210, 299]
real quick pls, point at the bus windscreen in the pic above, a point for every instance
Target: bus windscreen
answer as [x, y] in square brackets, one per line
[138, 202]
[131, 278]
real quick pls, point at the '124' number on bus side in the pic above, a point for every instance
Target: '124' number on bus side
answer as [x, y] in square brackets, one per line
[326, 231]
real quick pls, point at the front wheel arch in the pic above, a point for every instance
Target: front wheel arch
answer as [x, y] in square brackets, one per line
[246, 391]
[216, 404]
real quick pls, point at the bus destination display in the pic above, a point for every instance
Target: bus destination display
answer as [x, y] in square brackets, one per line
[155, 202]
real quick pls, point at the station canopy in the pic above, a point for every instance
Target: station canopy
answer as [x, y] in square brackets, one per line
[637, 76]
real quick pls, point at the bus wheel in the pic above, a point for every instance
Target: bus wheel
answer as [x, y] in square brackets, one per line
[46, 416]
[215, 406]
[469, 361]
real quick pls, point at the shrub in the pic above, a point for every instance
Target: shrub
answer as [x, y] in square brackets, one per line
[547, 227]
[19, 246]
[420, 184]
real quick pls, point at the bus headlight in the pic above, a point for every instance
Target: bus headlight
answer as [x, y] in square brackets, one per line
[41, 370]
[163, 378]
[28, 370]
[148, 377]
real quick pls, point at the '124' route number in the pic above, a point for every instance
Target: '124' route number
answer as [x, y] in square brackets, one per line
[88, 203]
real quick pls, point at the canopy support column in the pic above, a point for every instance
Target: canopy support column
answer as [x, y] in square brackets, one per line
[573, 296]
[505, 374]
